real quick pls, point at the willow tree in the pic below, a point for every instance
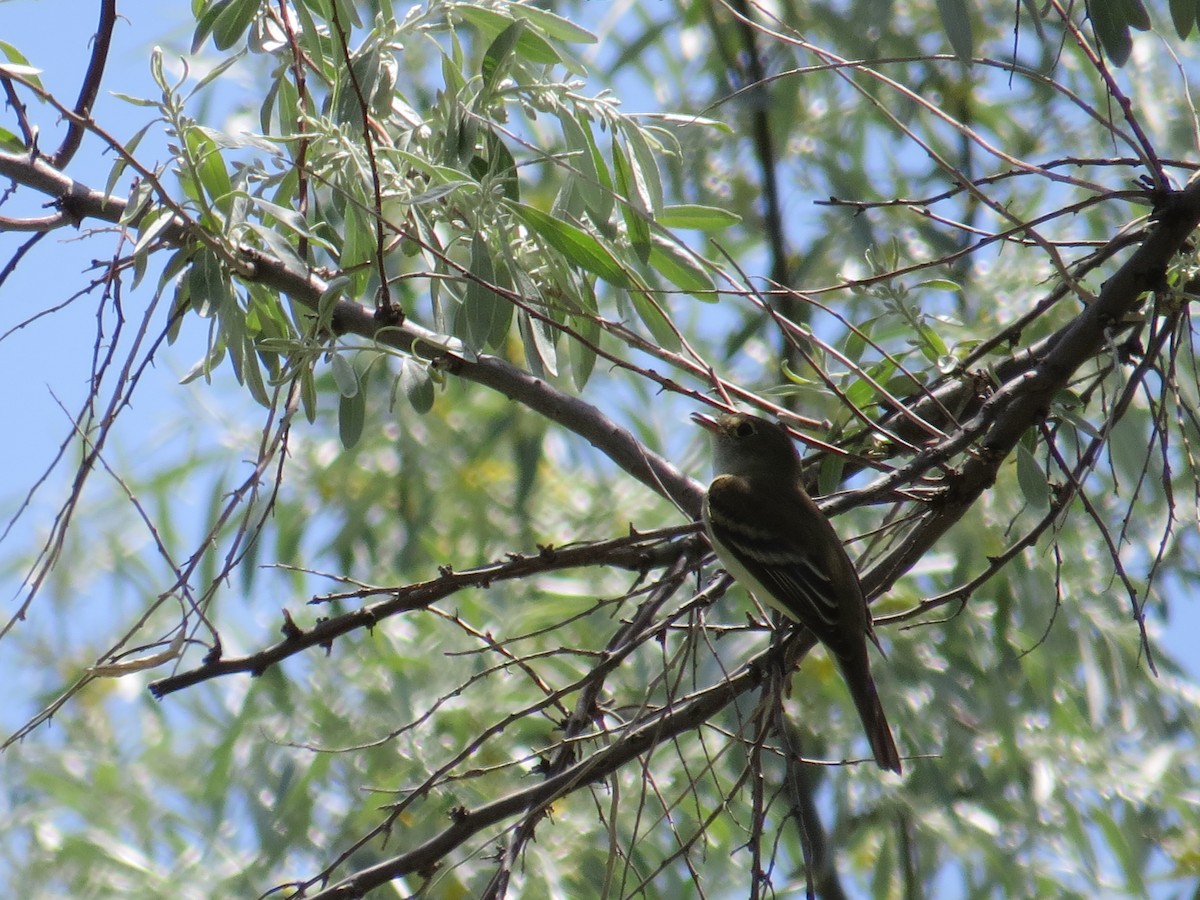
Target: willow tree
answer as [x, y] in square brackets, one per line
[432, 609]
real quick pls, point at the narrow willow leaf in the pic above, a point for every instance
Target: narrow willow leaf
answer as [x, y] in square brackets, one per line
[352, 413]
[253, 374]
[700, 218]
[417, 386]
[956, 19]
[635, 208]
[581, 354]
[646, 170]
[483, 314]
[344, 375]
[498, 55]
[556, 27]
[655, 320]
[593, 181]
[1031, 479]
[574, 243]
[679, 267]
[210, 168]
[1183, 16]
[1112, 29]
[530, 45]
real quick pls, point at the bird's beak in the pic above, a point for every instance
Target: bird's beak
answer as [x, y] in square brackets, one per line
[708, 423]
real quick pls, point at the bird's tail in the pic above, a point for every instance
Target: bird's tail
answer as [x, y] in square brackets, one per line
[857, 672]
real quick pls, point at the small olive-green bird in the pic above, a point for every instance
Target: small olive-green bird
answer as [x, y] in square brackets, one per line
[772, 538]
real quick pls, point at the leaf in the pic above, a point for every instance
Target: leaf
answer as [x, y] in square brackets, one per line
[635, 208]
[417, 386]
[700, 218]
[677, 265]
[645, 170]
[151, 226]
[655, 320]
[207, 285]
[344, 375]
[1136, 15]
[581, 355]
[210, 168]
[352, 413]
[829, 475]
[530, 45]
[1183, 16]
[1031, 479]
[593, 181]
[498, 55]
[956, 19]
[557, 27]
[11, 143]
[484, 317]
[231, 22]
[940, 284]
[1111, 29]
[574, 243]
[308, 393]
[253, 374]
[19, 65]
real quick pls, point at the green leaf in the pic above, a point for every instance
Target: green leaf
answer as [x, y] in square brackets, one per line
[308, 393]
[682, 270]
[253, 374]
[829, 475]
[485, 316]
[151, 226]
[1136, 15]
[231, 22]
[634, 209]
[574, 243]
[931, 343]
[210, 168]
[417, 385]
[557, 27]
[1112, 29]
[498, 55]
[207, 285]
[11, 143]
[581, 354]
[358, 248]
[956, 19]
[119, 166]
[655, 320]
[695, 216]
[344, 375]
[1183, 16]
[593, 181]
[352, 414]
[939, 284]
[645, 169]
[20, 65]
[537, 337]
[530, 45]
[1031, 479]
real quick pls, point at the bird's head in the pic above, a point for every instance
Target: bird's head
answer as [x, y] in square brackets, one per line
[748, 447]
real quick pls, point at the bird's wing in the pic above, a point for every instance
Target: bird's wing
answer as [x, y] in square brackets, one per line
[791, 559]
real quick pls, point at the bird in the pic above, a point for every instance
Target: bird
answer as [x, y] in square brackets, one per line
[771, 537]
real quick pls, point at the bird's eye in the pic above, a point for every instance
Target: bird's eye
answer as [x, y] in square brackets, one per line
[744, 429]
